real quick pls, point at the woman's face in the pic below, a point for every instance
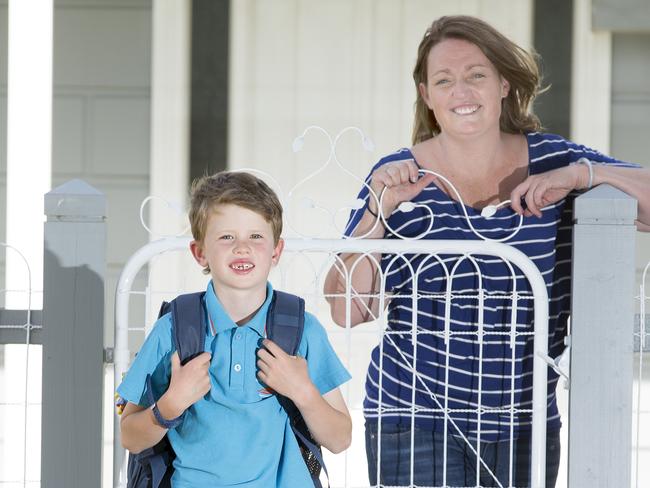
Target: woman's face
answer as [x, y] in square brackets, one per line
[463, 88]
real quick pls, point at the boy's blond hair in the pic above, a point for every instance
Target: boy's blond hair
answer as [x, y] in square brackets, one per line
[234, 188]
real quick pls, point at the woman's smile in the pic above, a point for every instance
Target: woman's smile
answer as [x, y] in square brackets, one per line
[465, 109]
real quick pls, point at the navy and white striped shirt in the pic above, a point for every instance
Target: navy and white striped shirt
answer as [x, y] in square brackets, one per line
[480, 379]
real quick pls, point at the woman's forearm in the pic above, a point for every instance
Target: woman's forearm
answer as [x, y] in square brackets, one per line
[635, 182]
[364, 277]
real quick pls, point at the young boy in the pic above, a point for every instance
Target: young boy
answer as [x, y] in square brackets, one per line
[233, 430]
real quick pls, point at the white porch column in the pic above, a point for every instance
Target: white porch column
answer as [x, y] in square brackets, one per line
[170, 129]
[29, 128]
[29, 143]
[592, 81]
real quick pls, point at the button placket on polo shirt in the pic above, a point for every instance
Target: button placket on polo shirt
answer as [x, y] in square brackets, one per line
[238, 351]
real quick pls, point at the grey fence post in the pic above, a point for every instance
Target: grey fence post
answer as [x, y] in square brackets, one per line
[602, 324]
[73, 333]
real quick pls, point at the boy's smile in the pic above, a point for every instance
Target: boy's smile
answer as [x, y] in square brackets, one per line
[239, 248]
[242, 266]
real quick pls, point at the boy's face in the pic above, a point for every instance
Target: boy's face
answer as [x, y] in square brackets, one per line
[239, 249]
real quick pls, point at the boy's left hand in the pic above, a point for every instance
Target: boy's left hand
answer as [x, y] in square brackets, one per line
[285, 374]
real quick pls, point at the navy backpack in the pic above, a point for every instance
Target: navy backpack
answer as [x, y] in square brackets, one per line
[285, 320]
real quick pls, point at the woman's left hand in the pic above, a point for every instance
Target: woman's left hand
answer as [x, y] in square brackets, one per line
[286, 374]
[541, 190]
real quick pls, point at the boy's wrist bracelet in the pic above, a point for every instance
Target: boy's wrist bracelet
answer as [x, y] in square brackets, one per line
[163, 422]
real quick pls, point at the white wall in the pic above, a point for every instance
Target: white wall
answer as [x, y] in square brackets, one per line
[336, 63]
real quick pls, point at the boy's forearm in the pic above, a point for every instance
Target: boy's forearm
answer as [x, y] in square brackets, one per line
[140, 430]
[330, 427]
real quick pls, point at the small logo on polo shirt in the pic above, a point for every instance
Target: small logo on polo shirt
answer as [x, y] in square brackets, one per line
[265, 392]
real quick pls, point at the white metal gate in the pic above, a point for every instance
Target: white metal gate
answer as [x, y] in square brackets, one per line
[301, 271]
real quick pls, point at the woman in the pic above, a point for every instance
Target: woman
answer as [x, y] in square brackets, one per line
[474, 125]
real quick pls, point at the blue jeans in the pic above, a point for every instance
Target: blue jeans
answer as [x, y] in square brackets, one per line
[461, 461]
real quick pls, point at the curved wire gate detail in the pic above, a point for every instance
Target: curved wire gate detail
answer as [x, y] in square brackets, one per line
[358, 204]
[298, 145]
[298, 257]
[307, 202]
[409, 206]
[171, 206]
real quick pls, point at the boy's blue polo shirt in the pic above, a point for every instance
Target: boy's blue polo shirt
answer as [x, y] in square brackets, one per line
[237, 435]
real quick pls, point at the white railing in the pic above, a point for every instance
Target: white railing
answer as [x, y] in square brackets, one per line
[641, 438]
[318, 254]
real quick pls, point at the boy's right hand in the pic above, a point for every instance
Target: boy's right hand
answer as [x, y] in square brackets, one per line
[189, 382]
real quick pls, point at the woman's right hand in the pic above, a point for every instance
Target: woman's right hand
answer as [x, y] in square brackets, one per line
[402, 182]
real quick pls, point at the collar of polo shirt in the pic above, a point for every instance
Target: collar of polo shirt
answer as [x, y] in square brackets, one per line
[219, 320]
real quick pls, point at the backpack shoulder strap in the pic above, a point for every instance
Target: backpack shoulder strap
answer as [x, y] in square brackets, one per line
[285, 321]
[188, 324]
